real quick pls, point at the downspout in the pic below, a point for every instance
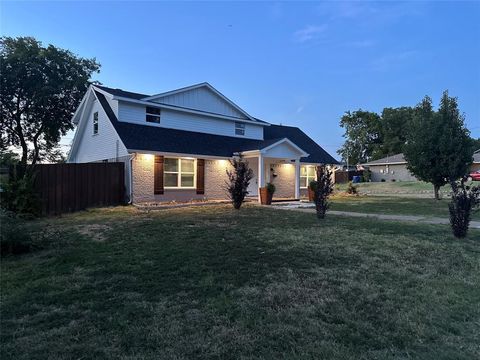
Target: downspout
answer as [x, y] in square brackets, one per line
[132, 157]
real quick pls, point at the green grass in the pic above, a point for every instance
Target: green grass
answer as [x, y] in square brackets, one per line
[214, 283]
[410, 188]
[394, 205]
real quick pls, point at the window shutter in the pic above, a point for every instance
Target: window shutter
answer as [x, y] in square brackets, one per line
[200, 176]
[158, 175]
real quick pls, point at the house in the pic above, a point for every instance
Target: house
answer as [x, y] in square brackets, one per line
[176, 145]
[476, 161]
[390, 168]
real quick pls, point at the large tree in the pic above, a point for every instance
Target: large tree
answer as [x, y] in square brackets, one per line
[394, 127]
[438, 149]
[40, 89]
[362, 133]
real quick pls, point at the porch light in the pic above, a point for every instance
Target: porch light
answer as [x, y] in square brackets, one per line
[147, 157]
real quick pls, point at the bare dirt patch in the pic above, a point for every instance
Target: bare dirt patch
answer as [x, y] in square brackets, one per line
[94, 231]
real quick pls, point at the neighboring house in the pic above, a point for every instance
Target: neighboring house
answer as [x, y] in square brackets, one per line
[390, 168]
[476, 161]
[176, 145]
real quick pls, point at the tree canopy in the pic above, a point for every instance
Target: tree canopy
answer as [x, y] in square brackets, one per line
[41, 88]
[439, 148]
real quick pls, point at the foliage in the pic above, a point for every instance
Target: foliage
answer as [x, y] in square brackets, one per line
[14, 239]
[323, 190]
[352, 189]
[367, 175]
[313, 185]
[270, 188]
[8, 158]
[439, 149]
[238, 180]
[362, 134]
[464, 200]
[41, 88]
[19, 196]
[394, 127]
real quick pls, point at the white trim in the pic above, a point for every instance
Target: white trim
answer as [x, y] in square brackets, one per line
[179, 155]
[300, 150]
[385, 163]
[196, 86]
[306, 176]
[81, 126]
[188, 110]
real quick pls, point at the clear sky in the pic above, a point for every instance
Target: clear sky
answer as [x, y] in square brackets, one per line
[301, 64]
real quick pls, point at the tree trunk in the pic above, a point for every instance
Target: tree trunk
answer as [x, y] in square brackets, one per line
[436, 189]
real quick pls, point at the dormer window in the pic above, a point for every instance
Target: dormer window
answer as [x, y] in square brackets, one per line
[95, 123]
[239, 128]
[153, 115]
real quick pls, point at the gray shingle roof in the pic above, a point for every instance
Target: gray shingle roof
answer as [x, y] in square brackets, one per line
[153, 138]
[397, 158]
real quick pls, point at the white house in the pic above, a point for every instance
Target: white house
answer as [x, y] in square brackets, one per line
[176, 145]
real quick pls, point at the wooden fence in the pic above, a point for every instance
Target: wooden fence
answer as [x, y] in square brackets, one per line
[342, 177]
[64, 188]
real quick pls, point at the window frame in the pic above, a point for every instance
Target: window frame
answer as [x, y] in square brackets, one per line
[309, 178]
[179, 173]
[95, 123]
[156, 113]
[240, 126]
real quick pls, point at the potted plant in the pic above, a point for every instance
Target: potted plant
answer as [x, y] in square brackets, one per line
[266, 194]
[312, 187]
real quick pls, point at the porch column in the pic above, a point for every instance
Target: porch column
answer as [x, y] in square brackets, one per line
[297, 178]
[261, 175]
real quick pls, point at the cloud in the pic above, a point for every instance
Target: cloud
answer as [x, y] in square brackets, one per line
[299, 109]
[309, 32]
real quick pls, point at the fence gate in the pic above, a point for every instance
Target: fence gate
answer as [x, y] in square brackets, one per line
[64, 188]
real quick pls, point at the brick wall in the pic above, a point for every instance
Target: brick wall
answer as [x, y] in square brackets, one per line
[284, 181]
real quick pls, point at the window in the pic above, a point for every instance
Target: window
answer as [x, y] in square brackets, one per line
[239, 128]
[307, 174]
[95, 123]
[179, 173]
[153, 115]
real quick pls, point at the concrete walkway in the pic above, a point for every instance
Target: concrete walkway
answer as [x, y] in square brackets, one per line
[418, 219]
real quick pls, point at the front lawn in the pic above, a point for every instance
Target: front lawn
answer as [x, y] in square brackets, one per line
[394, 205]
[214, 283]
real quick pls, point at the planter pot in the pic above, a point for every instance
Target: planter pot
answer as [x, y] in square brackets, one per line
[311, 194]
[265, 196]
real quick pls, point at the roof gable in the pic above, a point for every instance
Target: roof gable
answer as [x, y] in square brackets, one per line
[203, 97]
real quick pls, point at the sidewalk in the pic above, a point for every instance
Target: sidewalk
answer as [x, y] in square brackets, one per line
[412, 218]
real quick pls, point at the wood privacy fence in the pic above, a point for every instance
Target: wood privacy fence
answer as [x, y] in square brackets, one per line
[64, 188]
[342, 177]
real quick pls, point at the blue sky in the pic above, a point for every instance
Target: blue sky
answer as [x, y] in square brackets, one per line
[300, 64]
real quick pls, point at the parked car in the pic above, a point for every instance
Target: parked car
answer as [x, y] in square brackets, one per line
[475, 175]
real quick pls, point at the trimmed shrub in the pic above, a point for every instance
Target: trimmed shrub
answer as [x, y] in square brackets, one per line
[238, 181]
[14, 239]
[271, 188]
[323, 190]
[352, 189]
[465, 199]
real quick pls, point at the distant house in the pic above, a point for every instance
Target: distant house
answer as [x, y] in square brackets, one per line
[476, 161]
[390, 168]
[176, 145]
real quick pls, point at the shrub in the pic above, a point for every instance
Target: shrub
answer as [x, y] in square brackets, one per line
[464, 200]
[19, 196]
[383, 180]
[367, 175]
[323, 190]
[238, 181]
[352, 189]
[270, 188]
[14, 239]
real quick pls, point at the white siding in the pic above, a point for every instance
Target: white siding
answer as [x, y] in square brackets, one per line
[190, 122]
[201, 99]
[102, 145]
[283, 150]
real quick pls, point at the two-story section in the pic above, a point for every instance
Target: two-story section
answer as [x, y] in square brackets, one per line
[177, 145]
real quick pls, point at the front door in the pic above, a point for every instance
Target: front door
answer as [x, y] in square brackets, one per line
[253, 186]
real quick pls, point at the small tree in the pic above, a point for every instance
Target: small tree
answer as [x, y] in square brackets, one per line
[238, 180]
[323, 189]
[464, 200]
[438, 149]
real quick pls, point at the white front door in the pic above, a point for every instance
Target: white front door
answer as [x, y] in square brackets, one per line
[253, 186]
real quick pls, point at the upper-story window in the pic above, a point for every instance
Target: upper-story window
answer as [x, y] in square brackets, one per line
[307, 175]
[95, 123]
[239, 128]
[153, 115]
